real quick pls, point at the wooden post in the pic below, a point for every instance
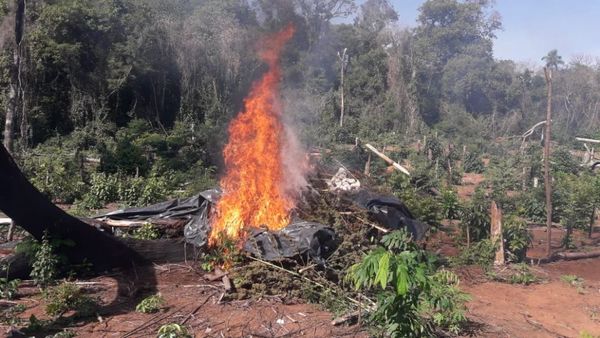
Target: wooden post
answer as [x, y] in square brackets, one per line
[496, 233]
[368, 166]
[547, 180]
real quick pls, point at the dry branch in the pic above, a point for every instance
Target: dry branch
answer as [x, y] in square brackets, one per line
[387, 159]
[590, 140]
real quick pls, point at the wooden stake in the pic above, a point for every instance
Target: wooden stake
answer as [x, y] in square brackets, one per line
[368, 166]
[496, 233]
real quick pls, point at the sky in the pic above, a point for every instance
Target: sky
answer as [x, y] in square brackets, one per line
[531, 28]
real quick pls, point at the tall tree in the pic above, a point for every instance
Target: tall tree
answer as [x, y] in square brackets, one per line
[553, 60]
[14, 87]
[449, 29]
[547, 178]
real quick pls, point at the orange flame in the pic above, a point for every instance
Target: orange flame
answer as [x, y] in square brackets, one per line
[253, 193]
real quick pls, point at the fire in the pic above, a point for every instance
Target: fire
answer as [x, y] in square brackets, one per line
[254, 181]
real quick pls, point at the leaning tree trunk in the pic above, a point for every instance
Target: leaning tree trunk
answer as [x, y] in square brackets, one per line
[29, 208]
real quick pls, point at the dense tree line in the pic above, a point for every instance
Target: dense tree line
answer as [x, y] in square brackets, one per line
[91, 67]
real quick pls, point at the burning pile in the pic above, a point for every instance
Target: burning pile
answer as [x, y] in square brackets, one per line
[253, 186]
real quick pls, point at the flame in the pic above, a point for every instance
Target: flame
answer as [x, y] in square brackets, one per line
[254, 181]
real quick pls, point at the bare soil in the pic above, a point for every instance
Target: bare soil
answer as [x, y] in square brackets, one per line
[192, 300]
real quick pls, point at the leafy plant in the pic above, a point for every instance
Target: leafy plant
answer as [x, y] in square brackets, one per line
[68, 297]
[44, 269]
[65, 334]
[173, 330]
[146, 231]
[9, 288]
[481, 253]
[475, 218]
[150, 304]
[9, 316]
[473, 163]
[450, 204]
[572, 280]
[523, 275]
[412, 298]
[516, 237]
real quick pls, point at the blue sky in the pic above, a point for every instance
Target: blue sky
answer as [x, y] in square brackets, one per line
[531, 28]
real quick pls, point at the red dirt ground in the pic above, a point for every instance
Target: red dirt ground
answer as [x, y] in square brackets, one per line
[195, 301]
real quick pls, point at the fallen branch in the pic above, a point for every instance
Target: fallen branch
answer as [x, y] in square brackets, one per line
[387, 159]
[360, 304]
[590, 140]
[348, 317]
[569, 256]
[375, 226]
[196, 309]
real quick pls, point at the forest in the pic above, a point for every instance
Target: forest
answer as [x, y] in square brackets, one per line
[112, 104]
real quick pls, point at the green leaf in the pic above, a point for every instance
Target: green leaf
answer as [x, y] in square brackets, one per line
[401, 279]
[383, 271]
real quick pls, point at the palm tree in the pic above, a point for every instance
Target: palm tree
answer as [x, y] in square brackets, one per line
[553, 60]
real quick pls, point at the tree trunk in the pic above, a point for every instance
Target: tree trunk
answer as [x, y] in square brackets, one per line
[14, 89]
[22, 202]
[547, 179]
[592, 221]
[342, 96]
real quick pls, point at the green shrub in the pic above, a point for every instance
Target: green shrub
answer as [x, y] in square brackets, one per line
[150, 304]
[514, 274]
[9, 288]
[531, 205]
[523, 275]
[424, 207]
[158, 186]
[516, 238]
[473, 163]
[55, 173]
[412, 298]
[44, 269]
[146, 231]
[173, 331]
[481, 253]
[104, 189]
[68, 297]
[450, 204]
[475, 217]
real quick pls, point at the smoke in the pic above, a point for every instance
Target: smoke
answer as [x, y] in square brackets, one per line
[295, 161]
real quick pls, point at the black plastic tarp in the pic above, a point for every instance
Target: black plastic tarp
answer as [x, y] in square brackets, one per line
[299, 239]
[390, 212]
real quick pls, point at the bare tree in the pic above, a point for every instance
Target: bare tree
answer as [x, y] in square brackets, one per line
[547, 178]
[343, 59]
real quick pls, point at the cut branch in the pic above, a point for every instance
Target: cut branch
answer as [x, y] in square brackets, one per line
[387, 159]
